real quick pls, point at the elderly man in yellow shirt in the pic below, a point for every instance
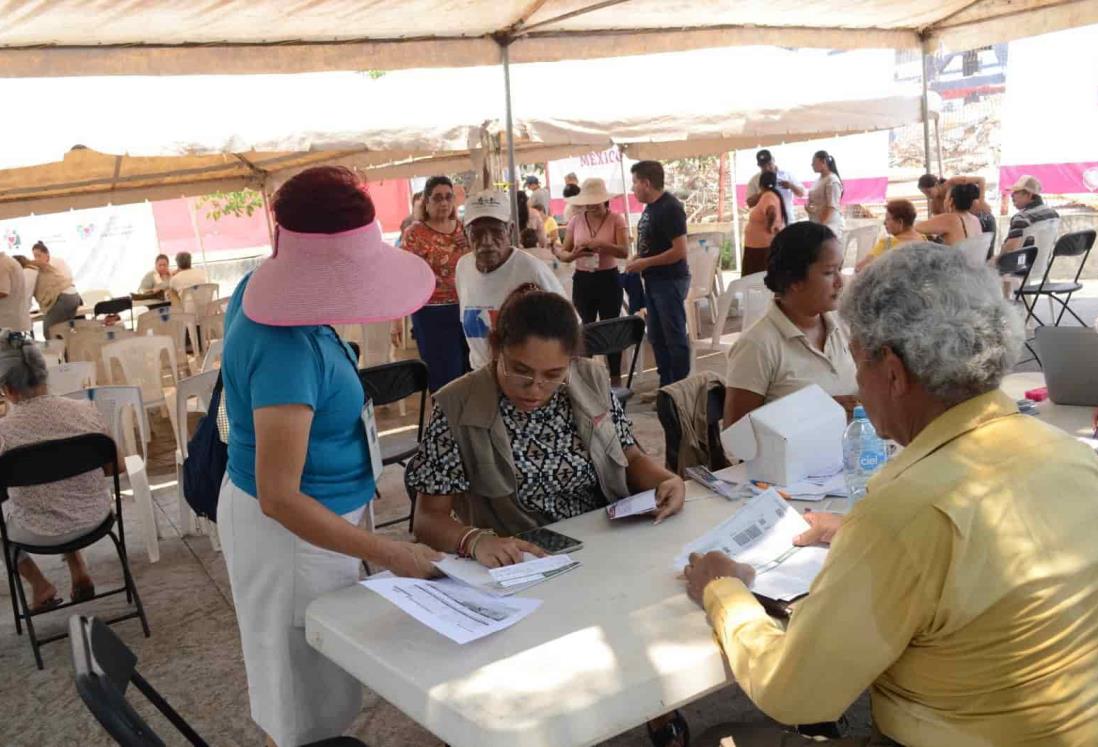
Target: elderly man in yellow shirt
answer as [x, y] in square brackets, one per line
[962, 591]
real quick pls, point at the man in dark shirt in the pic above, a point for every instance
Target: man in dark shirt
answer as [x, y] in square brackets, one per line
[661, 260]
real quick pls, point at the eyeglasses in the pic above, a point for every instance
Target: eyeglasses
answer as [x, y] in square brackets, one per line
[441, 197]
[529, 382]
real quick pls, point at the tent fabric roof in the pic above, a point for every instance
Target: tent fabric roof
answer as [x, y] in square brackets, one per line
[178, 37]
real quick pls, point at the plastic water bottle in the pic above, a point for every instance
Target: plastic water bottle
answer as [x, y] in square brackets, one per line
[864, 452]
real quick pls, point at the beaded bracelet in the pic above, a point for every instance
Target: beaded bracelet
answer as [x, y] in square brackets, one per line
[481, 534]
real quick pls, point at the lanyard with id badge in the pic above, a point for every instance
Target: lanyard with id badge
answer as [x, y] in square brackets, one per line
[369, 422]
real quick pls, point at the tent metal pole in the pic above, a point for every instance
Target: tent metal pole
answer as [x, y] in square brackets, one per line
[938, 141]
[737, 245]
[625, 198]
[926, 111]
[513, 185]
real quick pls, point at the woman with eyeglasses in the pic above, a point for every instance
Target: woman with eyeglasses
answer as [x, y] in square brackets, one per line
[529, 439]
[437, 237]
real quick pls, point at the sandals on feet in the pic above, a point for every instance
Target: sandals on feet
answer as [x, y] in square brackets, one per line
[83, 593]
[675, 732]
[46, 606]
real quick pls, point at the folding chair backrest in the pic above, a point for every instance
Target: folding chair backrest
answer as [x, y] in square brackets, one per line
[104, 667]
[70, 377]
[94, 296]
[975, 249]
[1044, 233]
[198, 387]
[141, 363]
[392, 382]
[57, 459]
[194, 299]
[1076, 244]
[612, 335]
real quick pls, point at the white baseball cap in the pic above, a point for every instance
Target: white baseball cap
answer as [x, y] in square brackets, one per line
[1027, 183]
[488, 204]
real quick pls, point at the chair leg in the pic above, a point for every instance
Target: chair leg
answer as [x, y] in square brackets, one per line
[142, 496]
[13, 570]
[1065, 307]
[30, 622]
[131, 587]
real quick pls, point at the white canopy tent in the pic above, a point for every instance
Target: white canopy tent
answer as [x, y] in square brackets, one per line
[157, 138]
[180, 37]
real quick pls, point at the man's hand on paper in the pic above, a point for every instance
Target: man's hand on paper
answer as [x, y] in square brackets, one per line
[824, 527]
[713, 565]
[670, 497]
[493, 552]
[411, 559]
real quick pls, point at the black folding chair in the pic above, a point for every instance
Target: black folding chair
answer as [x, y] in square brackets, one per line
[1075, 244]
[48, 462]
[104, 667]
[389, 383]
[671, 421]
[616, 336]
[115, 306]
[1019, 264]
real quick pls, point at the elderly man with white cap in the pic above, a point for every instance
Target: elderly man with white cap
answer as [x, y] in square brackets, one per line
[494, 268]
[1026, 196]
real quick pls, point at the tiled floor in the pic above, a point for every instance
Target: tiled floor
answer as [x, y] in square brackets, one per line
[194, 657]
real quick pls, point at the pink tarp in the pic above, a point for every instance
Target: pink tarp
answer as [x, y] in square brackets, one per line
[1055, 178]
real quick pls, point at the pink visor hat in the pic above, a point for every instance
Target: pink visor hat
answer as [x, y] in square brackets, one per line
[352, 277]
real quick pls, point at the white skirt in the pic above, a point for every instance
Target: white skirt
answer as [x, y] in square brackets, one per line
[297, 695]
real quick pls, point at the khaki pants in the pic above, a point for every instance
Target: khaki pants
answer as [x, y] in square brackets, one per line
[733, 735]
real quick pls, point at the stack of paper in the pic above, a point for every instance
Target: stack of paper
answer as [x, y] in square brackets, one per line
[453, 609]
[733, 491]
[816, 488]
[520, 576]
[641, 503]
[761, 535]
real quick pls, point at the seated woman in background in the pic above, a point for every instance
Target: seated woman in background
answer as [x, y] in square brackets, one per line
[959, 223]
[157, 279]
[799, 341]
[899, 222]
[766, 219]
[532, 438]
[62, 511]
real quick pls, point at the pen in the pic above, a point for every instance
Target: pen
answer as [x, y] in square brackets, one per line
[766, 486]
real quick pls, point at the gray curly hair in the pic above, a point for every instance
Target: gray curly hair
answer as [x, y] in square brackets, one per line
[949, 323]
[22, 367]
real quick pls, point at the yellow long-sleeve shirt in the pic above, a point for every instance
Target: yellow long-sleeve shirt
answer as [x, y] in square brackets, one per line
[962, 591]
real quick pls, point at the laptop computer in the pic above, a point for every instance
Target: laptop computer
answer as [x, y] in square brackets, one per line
[1069, 357]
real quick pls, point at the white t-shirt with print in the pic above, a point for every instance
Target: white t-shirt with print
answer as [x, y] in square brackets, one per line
[481, 294]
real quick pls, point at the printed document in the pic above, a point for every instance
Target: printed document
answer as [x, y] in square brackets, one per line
[761, 534]
[457, 611]
[633, 505]
[509, 579]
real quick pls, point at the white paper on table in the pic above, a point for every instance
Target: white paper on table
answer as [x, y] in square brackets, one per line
[459, 612]
[536, 569]
[632, 505]
[761, 535]
[474, 574]
[816, 488]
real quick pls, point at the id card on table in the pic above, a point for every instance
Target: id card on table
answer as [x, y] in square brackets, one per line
[369, 423]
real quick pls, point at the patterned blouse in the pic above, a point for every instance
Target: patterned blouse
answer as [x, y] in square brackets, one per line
[441, 251]
[555, 473]
[70, 505]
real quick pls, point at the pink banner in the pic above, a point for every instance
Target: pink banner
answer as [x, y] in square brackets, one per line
[854, 191]
[1055, 178]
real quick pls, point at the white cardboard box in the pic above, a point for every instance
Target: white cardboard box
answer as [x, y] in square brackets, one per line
[791, 438]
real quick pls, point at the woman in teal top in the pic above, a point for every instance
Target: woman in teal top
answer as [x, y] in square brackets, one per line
[299, 474]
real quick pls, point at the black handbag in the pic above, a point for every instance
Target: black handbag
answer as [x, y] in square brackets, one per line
[206, 462]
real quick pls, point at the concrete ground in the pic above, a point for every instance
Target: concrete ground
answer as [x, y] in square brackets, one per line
[193, 656]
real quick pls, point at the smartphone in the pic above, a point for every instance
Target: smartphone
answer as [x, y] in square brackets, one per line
[552, 542]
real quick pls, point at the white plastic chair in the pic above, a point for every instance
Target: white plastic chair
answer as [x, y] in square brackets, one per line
[710, 240]
[375, 346]
[195, 298]
[95, 295]
[175, 324]
[752, 296]
[53, 351]
[139, 361]
[975, 249]
[70, 377]
[702, 259]
[212, 359]
[863, 238]
[200, 388]
[1044, 233]
[61, 330]
[123, 410]
[86, 344]
[211, 328]
[216, 307]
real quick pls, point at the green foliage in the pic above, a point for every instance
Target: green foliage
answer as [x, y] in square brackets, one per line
[238, 204]
[375, 74]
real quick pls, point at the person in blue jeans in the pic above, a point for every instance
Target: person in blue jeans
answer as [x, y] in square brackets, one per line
[661, 261]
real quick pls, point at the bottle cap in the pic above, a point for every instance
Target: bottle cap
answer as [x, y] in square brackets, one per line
[859, 413]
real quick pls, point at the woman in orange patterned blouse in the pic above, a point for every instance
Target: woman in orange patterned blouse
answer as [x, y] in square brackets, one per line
[437, 237]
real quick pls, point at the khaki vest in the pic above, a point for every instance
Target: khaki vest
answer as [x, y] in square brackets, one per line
[471, 405]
